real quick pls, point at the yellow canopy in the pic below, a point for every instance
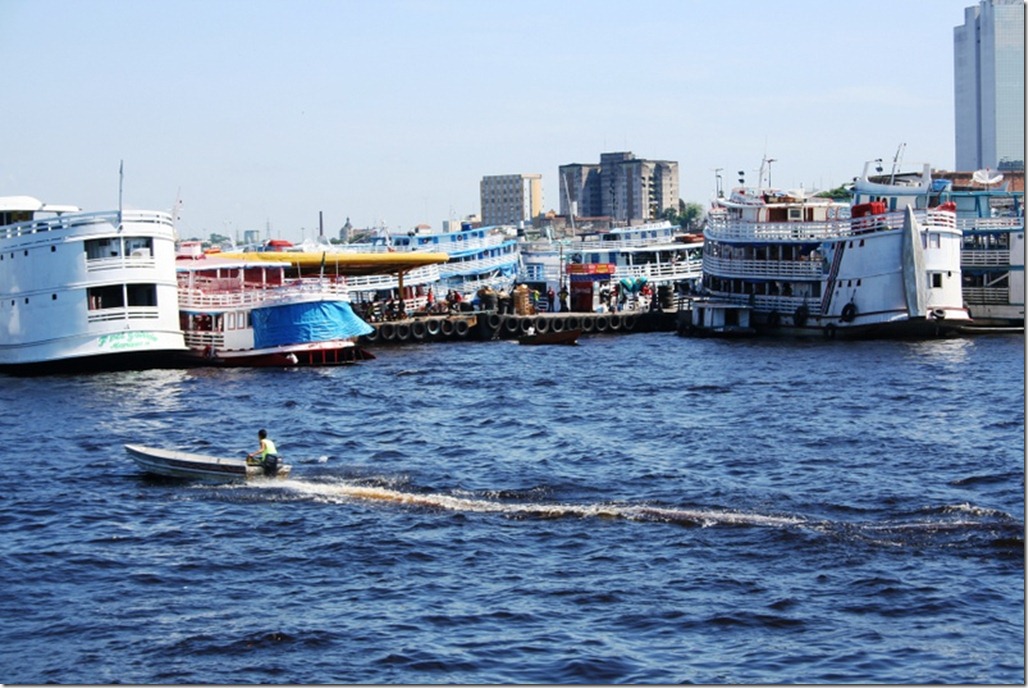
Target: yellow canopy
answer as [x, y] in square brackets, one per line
[351, 264]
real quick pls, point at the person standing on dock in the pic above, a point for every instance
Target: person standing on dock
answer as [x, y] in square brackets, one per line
[549, 299]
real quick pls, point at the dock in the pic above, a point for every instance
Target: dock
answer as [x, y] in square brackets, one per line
[491, 325]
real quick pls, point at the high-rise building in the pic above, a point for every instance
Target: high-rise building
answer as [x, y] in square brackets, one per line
[988, 70]
[508, 199]
[621, 187]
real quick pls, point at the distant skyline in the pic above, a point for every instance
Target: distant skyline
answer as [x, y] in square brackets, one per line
[258, 112]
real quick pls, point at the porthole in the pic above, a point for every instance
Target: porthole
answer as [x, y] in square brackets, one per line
[53, 249]
[26, 252]
[53, 297]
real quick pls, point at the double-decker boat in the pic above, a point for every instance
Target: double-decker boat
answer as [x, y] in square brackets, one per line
[85, 290]
[803, 265]
[250, 313]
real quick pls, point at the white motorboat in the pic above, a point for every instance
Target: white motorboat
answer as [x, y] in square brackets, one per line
[179, 464]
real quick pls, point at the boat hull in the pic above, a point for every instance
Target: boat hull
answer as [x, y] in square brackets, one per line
[169, 463]
[565, 337]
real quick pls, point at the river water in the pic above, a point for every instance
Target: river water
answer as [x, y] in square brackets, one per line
[643, 508]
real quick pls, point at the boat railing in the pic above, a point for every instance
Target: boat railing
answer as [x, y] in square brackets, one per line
[721, 227]
[120, 263]
[251, 296]
[484, 264]
[687, 269]
[987, 295]
[201, 339]
[453, 243]
[424, 275]
[985, 258]
[784, 305]
[124, 313]
[731, 267]
[980, 224]
[78, 220]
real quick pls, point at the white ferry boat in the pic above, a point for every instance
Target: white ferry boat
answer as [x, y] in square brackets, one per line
[250, 313]
[813, 266]
[656, 254]
[478, 256]
[991, 221]
[85, 290]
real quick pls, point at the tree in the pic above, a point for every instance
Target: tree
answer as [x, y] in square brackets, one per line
[688, 216]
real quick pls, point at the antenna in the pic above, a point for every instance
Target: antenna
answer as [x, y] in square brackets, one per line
[121, 187]
[896, 162]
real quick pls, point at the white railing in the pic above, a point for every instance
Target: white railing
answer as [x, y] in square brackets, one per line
[973, 224]
[253, 296]
[688, 269]
[720, 226]
[423, 275]
[130, 313]
[729, 267]
[79, 220]
[987, 295]
[120, 263]
[985, 258]
[478, 265]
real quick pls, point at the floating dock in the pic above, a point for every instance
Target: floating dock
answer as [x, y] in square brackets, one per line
[490, 325]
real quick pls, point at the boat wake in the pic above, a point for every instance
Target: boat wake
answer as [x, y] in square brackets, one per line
[953, 525]
[341, 492]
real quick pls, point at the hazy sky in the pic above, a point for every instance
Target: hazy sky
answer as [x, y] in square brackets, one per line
[255, 112]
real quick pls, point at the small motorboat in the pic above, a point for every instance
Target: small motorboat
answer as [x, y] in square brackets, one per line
[179, 464]
[550, 337]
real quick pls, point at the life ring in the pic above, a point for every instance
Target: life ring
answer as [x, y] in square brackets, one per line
[601, 323]
[510, 324]
[799, 318]
[939, 314]
[849, 312]
[403, 332]
[418, 329]
[774, 319]
[542, 324]
[461, 328]
[387, 330]
[446, 327]
[432, 327]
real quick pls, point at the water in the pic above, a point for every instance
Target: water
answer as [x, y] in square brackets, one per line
[641, 508]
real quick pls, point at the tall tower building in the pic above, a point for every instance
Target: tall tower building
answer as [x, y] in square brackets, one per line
[988, 70]
[511, 198]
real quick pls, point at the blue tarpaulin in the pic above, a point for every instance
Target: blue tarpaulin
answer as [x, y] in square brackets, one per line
[300, 323]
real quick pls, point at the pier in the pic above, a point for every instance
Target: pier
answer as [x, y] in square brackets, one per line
[492, 325]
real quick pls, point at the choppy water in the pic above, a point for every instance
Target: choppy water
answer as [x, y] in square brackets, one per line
[640, 508]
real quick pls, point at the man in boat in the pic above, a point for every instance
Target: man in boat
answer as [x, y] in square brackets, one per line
[266, 456]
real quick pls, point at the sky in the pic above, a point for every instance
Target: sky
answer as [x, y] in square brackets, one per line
[259, 114]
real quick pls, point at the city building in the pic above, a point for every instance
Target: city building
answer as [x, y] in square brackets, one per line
[508, 199]
[988, 69]
[621, 187]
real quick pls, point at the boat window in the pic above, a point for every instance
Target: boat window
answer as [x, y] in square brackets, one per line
[111, 296]
[934, 240]
[936, 280]
[142, 295]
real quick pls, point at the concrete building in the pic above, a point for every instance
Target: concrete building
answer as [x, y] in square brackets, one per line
[988, 69]
[508, 199]
[621, 187]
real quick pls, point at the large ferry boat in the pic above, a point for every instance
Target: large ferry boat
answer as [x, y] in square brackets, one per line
[250, 313]
[802, 265]
[656, 255]
[990, 217]
[85, 290]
